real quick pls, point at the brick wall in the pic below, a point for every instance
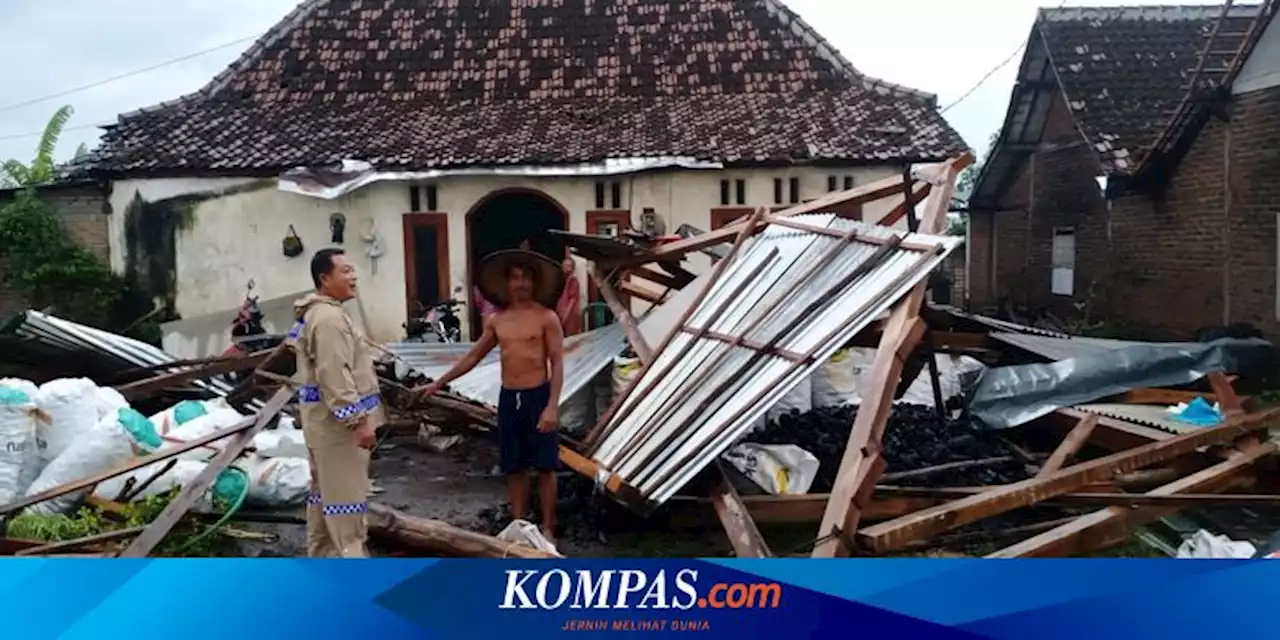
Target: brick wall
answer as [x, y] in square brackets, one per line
[1166, 265]
[84, 210]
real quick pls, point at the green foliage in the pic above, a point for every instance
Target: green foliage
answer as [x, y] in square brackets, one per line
[47, 268]
[88, 521]
[42, 169]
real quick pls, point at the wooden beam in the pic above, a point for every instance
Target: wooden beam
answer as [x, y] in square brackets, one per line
[1113, 434]
[860, 195]
[861, 464]
[897, 533]
[741, 529]
[1088, 532]
[1070, 445]
[620, 311]
[657, 277]
[749, 344]
[192, 491]
[218, 367]
[633, 289]
[435, 536]
[1225, 394]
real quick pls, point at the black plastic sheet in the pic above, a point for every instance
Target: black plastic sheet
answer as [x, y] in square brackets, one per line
[1006, 397]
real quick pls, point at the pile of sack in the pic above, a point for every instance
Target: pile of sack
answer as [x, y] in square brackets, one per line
[70, 429]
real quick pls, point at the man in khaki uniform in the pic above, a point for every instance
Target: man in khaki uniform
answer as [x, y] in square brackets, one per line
[340, 409]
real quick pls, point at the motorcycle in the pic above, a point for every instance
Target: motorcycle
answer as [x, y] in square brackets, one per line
[440, 320]
[248, 335]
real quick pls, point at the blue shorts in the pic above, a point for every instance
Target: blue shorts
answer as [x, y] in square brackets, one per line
[522, 446]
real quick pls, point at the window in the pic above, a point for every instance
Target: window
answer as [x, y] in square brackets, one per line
[848, 183]
[415, 198]
[724, 192]
[1064, 262]
[777, 190]
[795, 190]
[831, 183]
[599, 195]
[740, 186]
[615, 195]
[432, 198]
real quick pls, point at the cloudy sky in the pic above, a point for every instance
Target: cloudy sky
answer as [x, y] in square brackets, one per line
[56, 46]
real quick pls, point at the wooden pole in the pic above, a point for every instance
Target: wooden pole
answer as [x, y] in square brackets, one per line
[434, 536]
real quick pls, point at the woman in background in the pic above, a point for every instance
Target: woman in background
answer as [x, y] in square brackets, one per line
[569, 307]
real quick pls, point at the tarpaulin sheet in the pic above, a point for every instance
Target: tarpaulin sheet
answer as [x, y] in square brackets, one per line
[1010, 396]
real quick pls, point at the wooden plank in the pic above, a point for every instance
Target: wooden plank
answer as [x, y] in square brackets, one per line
[897, 533]
[192, 491]
[860, 195]
[53, 547]
[216, 368]
[1111, 433]
[1088, 532]
[657, 277]
[638, 291]
[436, 536]
[861, 464]
[620, 311]
[748, 344]
[1160, 396]
[1225, 394]
[1070, 445]
[743, 533]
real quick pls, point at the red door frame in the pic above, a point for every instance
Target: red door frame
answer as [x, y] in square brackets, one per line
[410, 221]
[622, 217]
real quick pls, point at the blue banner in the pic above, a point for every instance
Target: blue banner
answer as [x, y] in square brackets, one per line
[739, 599]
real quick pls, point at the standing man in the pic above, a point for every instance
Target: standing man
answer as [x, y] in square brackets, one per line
[525, 287]
[340, 409]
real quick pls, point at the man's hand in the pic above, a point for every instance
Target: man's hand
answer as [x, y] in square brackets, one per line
[428, 390]
[549, 420]
[365, 436]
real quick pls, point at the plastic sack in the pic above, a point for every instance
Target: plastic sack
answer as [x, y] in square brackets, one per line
[72, 408]
[952, 373]
[109, 444]
[528, 534]
[1205, 545]
[227, 489]
[108, 401]
[17, 441]
[208, 424]
[778, 469]
[624, 371]
[178, 415]
[277, 482]
[280, 443]
[18, 384]
[835, 383]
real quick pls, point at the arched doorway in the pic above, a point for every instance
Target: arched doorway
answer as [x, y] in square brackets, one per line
[503, 220]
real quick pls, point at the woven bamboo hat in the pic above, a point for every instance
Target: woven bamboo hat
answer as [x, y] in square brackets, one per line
[548, 280]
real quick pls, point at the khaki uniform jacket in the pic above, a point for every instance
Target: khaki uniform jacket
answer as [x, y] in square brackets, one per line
[339, 385]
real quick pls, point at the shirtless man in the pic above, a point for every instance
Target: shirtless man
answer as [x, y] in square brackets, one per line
[532, 356]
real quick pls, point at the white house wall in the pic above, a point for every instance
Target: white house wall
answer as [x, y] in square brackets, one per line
[235, 238]
[1262, 69]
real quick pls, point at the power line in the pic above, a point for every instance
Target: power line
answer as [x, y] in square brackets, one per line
[15, 136]
[1004, 63]
[99, 83]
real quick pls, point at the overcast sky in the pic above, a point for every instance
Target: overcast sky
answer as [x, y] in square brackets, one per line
[52, 46]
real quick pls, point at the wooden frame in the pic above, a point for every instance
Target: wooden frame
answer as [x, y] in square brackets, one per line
[725, 216]
[410, 222]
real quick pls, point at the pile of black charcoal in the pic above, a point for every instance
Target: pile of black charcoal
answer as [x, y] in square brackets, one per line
[915, 437]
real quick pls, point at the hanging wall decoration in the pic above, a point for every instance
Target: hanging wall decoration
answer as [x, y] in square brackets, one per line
[375, 249]
[337, 227]
[292, 244]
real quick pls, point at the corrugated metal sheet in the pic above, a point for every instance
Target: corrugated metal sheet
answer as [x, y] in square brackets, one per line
[1149, 415]
[75, 340]
[998, 324]
[585, 355]
[1067, 348]
[690, 406]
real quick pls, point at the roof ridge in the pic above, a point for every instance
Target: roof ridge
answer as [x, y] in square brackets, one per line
[278, 30]
[828, 52]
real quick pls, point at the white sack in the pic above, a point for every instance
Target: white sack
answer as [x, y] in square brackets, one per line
[835, 383]
[71, 405]
[182, 473]
[951, 370]
[799, 399]
[18, 384]
[108, 401]
[528, 534]
[624, 371]
[778, 469]
[17, 442]
[107, 445]
[208, 424]
[1205, 545]
[277, 482]
[280, 443]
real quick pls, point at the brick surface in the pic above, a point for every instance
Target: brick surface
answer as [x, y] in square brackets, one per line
[84, 212]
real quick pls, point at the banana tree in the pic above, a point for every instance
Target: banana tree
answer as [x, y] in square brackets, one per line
[42, 168]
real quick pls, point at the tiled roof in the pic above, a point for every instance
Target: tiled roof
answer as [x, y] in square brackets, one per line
[1125, 70]
[446, 83]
